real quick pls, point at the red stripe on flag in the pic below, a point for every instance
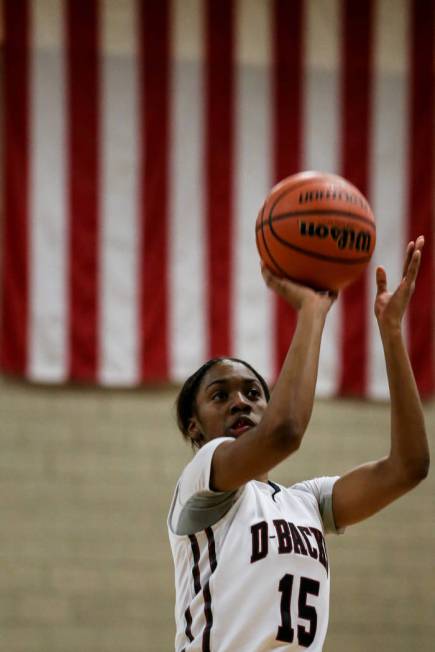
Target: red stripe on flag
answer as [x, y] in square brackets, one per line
[16, 188]
[421, 190]
[154, 98]
[287, 129]
[356, 125]
[219, 152]
[83, 204]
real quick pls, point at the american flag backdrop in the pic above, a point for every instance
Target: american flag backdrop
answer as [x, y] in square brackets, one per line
[140, 139]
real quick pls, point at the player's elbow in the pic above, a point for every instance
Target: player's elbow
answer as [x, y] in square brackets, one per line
[416, 471]
[288, 436]
[421, 470]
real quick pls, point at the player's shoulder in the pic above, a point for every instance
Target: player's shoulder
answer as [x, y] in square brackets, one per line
[195, 476]
[316, 487]
[204, 455]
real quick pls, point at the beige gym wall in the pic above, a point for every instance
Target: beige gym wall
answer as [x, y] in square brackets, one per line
[86, 478]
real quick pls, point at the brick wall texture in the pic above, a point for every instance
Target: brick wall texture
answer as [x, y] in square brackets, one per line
[86, 478]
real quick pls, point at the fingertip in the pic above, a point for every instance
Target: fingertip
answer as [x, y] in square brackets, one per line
[381, 278]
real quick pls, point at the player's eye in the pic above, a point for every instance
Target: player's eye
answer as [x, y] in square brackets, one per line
[253, 393]
[219, 396]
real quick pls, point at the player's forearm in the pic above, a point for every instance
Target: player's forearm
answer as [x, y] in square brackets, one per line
[409, 454]
[292, 398]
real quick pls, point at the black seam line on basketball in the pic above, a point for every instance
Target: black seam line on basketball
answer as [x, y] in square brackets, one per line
[257, 237]
[275, 264]
[330, 259]
[298, 186]
[280, 269]
[325, 211]
[294, 214]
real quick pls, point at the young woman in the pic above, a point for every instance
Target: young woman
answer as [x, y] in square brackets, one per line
[251, 565]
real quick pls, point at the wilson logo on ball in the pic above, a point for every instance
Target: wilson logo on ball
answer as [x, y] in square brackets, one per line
[345, 237]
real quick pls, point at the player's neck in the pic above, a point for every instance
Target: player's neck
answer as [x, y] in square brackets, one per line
[262, 478]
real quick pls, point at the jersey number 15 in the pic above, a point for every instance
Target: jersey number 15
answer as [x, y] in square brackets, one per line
[306, 611]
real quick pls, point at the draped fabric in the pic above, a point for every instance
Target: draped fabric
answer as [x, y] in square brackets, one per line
[140, 140]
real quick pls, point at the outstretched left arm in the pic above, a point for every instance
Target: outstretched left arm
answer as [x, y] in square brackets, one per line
[368, 488]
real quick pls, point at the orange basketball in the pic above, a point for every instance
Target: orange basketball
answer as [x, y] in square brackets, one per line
[317, 229]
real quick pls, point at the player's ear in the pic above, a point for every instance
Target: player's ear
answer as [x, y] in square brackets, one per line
[194, 432]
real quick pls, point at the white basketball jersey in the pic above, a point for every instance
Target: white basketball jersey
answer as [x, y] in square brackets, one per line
[257, 577]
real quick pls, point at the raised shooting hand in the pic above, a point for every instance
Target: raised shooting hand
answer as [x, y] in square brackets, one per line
[295, 294]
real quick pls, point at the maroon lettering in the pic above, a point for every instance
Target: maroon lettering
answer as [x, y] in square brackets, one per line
[298, 544]
[283, 534]
[305, 531]
[260, 541]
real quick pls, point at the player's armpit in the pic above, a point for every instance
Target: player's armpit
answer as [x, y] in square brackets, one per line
[367, 489]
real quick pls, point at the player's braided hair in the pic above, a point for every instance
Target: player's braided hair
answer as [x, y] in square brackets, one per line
[185, 403]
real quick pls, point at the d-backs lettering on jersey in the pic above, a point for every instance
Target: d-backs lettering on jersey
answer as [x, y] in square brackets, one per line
[296, 539]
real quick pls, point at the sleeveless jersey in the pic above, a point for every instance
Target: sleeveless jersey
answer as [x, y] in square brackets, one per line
[251, 566]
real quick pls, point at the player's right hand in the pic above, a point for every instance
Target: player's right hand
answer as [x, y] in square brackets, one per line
[297, 295]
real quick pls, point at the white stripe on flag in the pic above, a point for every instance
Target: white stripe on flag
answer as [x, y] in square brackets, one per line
[252, 302]
[389, 162]
[48, 231]
[119, 195]
[321, 140]
[187, 274]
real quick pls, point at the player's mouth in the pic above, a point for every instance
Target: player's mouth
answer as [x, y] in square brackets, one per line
[240, 425]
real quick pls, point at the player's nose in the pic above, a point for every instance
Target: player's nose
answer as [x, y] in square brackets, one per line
[239, 403]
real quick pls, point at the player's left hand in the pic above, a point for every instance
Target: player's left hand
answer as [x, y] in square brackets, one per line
[391, 306]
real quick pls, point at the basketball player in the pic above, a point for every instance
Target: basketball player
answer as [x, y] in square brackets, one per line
[251, 565]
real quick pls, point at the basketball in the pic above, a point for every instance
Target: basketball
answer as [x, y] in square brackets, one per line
[316, 229]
